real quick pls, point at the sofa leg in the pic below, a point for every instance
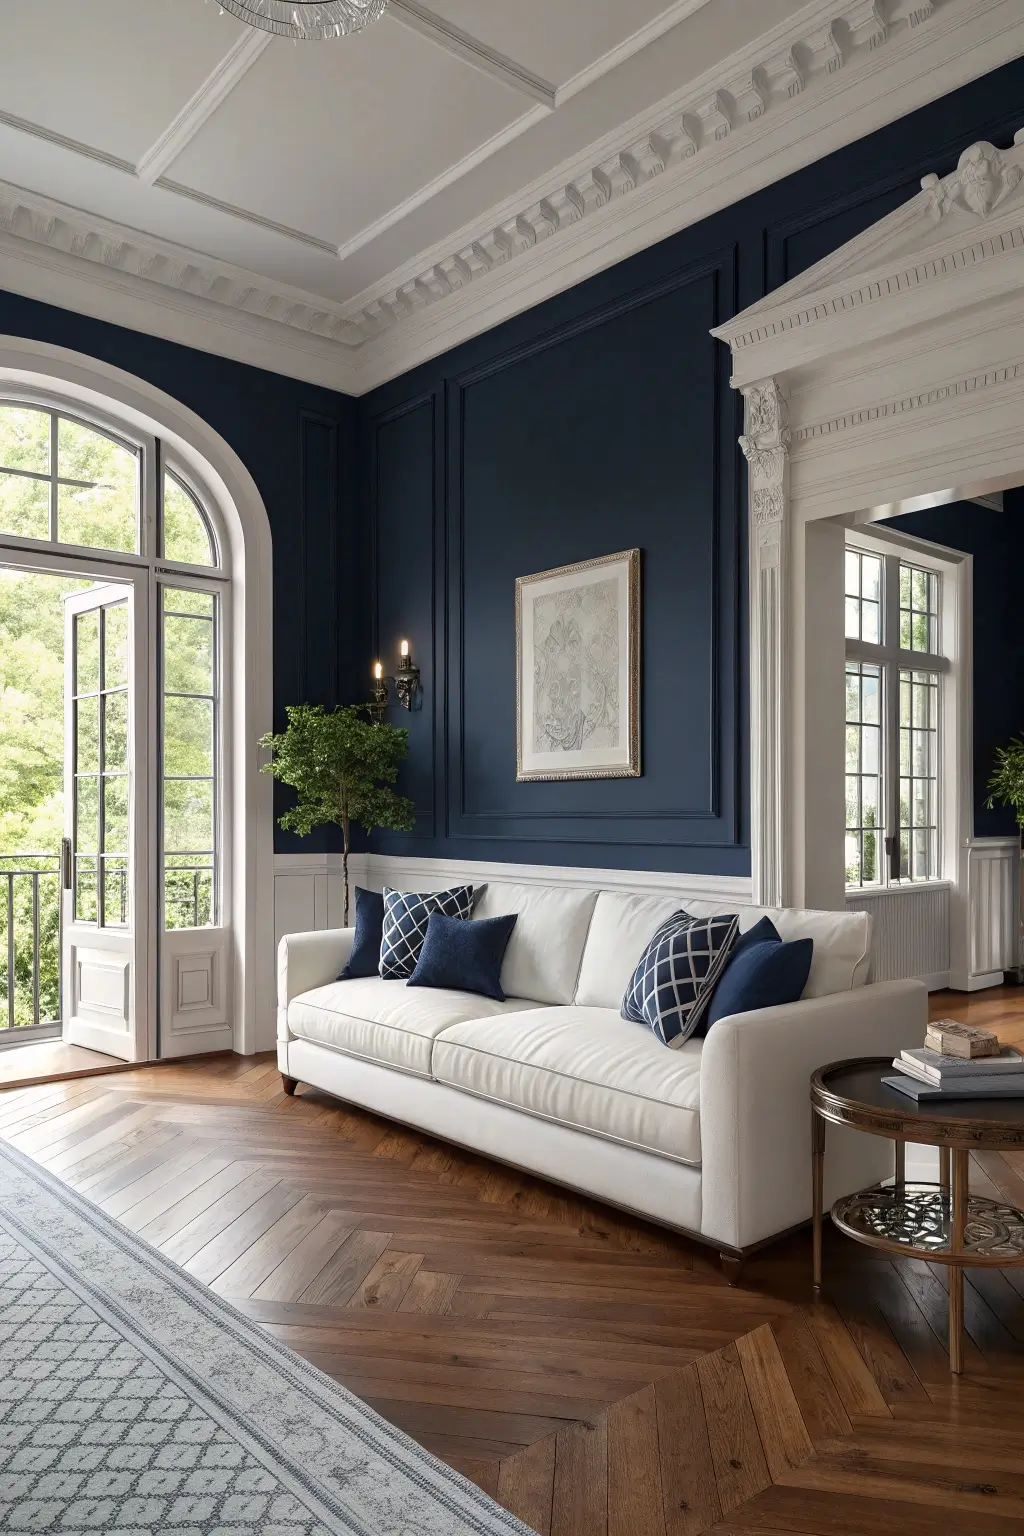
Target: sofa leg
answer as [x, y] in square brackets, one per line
[732, 1267]
[289, 1084]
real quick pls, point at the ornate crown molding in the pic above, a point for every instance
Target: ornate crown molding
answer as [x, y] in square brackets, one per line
[887, 409]
[694, 152]
[667, 142]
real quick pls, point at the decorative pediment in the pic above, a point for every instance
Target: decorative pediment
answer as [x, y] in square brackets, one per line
[967, 221]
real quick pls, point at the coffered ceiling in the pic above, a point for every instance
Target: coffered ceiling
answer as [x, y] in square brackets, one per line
[340, 209]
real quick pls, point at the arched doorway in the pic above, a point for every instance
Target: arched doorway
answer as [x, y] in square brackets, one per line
[120, 490]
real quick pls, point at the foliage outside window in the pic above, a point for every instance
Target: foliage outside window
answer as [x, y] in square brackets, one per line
[894, 669]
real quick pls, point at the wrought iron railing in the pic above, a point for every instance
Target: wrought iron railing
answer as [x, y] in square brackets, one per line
[30, 917]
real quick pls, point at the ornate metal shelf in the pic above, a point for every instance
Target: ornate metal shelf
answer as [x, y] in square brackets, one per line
[916, 1221]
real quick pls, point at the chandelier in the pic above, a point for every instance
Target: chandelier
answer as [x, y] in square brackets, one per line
[307, 20]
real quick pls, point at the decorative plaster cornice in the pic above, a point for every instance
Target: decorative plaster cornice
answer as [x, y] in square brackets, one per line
[889, 408]
[43, 222]
[757, 82]
[763, 113]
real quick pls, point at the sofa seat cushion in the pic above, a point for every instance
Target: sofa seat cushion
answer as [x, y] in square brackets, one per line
[582, 1067]
[386, 1021]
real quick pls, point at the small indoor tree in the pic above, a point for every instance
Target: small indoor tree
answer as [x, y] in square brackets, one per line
[342, 766]
[1006, 787]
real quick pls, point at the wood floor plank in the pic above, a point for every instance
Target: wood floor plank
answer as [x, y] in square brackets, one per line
[689, 1487]
[526, 1484]
[236, 1239]
[345, 1272]
[212, 1220]
[388, 1282]
[579, 1502]
[269, 1249]
[430, 1293]
[159, 1229]
[741, 1470]
[784, 1436]
[635, 1503]
[304, 1262]
[858, 1389]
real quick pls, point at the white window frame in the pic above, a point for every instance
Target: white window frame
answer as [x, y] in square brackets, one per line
[952, 665]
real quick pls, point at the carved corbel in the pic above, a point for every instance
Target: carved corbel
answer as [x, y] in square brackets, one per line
[765, 445]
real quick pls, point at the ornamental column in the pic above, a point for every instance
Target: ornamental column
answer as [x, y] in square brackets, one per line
[765, 445]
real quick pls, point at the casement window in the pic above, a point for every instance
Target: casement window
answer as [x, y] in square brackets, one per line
[895, 675]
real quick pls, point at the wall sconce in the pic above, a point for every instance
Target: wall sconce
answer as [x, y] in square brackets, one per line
[378, 709]
[407, 679]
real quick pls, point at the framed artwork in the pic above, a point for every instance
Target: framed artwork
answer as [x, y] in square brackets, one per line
[578, 670]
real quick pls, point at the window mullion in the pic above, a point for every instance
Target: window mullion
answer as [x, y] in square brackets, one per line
[54, 466]
[891, 706]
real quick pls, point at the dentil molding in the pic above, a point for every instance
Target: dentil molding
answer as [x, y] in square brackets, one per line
[758, 116]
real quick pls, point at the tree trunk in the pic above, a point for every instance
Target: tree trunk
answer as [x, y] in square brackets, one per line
[345, 832]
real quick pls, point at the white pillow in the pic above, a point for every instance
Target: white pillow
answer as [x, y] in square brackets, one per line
[542, 961]
[622, 927]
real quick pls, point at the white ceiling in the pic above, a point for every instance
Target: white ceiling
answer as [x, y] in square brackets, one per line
[326, 170]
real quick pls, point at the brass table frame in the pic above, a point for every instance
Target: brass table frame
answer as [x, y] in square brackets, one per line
[955, 1136]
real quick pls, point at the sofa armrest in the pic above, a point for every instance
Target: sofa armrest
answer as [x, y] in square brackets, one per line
[308, 960]
[755, 1113]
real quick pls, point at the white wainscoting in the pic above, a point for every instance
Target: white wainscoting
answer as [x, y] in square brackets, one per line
[993, 926]
[963, 936]
[911, 932]
[309, 890]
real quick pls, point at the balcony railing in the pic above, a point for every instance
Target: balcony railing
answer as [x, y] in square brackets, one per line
[30, 918]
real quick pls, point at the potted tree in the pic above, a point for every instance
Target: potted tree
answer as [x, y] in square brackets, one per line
[342, 766]
[1006, 787]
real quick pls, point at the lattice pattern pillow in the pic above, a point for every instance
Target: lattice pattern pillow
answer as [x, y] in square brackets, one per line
[406, 914]
[672, 987]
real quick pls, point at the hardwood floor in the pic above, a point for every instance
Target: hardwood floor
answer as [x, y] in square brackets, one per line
[48, 1060]
[594, 1374]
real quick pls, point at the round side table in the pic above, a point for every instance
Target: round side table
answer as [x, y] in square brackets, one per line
[941, 1222]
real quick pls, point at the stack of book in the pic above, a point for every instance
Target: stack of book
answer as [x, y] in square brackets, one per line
[959, 1062]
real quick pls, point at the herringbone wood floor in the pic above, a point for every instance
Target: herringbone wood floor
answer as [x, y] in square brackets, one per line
[596, 1375]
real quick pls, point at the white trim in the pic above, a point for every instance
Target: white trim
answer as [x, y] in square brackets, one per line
[758, 116]
[446, 35]
[215, 90]
[245, 526]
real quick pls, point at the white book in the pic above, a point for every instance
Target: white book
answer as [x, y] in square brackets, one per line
[936, 1068]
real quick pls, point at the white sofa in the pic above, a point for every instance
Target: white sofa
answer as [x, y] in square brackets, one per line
[712, 1139]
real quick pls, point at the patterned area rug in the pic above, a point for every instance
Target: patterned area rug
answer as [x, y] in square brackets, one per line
[134, 1401]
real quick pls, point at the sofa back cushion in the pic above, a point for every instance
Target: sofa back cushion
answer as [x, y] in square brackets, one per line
[543, 957]
[842, 941]
[621, 929]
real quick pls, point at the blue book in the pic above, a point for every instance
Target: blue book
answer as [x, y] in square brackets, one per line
[976, 1088]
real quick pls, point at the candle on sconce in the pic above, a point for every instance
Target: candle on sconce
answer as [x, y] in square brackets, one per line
[405, 650]
[378, 671]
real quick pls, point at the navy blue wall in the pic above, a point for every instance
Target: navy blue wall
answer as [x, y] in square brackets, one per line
[600, 420]
[298, 444]
[996, 540]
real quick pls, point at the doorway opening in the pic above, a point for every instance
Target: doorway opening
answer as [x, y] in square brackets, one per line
[114, 603]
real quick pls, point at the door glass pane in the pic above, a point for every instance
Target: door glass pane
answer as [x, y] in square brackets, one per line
[102, 783]
[87, 652]
[188, 654]
[189, 737]
[115, 646]
[97, 489]
[186, 534]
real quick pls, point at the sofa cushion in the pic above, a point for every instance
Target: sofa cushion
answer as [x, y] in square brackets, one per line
[405, 925]
[620, 930]
[671, 989]
[544, 953]
[365, 957]
[582, 1067]
[464, 957]
[384, 1021]
[842, 940]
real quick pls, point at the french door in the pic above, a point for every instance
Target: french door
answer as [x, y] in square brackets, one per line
[106, 866]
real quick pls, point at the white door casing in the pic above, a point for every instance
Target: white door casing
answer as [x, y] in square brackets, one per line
[58, 376]
[893, 369]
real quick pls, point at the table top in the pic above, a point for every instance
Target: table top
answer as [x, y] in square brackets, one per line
[853, 1093]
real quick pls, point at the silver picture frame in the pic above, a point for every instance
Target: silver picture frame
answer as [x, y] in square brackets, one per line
[578, 670]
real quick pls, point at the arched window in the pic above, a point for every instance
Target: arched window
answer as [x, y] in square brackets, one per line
[122, 524]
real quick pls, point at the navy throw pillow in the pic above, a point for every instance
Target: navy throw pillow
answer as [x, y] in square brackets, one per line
[464, 956]
[365, 957]
[763, 932]
[405, 925]
[674, 981]
[761, 976]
